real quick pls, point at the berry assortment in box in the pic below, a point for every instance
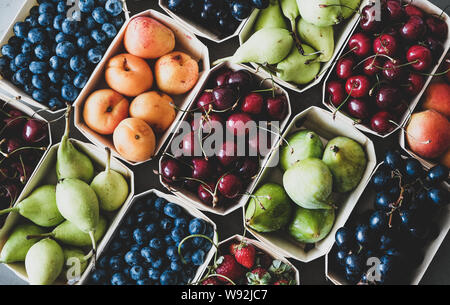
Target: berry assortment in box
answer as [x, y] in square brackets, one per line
[66, 213]
[387, 64]
[217, 20]
[310, 185]
[25, 139]
[296, 41]
[393, 235]
[151, 71]
[220, 146]
[244, 261]
[160, 241]
[427, 133]
[51, 49]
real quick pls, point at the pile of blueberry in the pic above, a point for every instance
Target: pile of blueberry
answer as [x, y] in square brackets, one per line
[52, 54]
[145, 250]
[223, 16]
[408, 201]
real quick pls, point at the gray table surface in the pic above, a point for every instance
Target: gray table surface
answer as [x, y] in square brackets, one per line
[312, 273]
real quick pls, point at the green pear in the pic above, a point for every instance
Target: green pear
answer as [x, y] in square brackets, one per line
[321, 12]
[110, 186]
[44, 262]
[297, 68]
[71, 163]
[349, 7]
[269, 209]
[301, 145]
[75, 263]
[78, 203]
[40, 207]
[17, 245]
[320, 38]
[69, 234]
[311, 226]
[309, 183]
[347, 162]
[267, 46]
[270, 17]
[290, 11]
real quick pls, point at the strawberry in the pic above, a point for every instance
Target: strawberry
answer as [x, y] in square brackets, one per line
[281, 282]
[233, 248]
[258, 276]
[245, 255]
[264, 260]
[211, 281]
[228, 267]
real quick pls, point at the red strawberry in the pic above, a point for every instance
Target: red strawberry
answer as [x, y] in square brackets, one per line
[258, 276]
[264, 260]
[233, 248]
[211, 281]
[245, 255]
[281, 282]
[228, 267]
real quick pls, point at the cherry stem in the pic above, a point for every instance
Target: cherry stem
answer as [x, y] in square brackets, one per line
[20, 149]
[404, 129]
[342, 104]
[193, 236]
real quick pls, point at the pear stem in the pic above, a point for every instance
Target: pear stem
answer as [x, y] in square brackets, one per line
[68, 112]
[6, 211]
[108, 159]
[94, 245]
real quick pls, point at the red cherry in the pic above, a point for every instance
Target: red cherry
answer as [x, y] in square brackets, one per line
[435, 46]
[209, 123]
[224, 98]
[253, 104]
[360, 44]
[204, 193]
[230, 186]
[277, 107]
[391, 70]
[13, 144]
[387, 96]
[420, 57]
[412, 10]
[369, 22]
[227, 154]
[344, 67]
[399, 110]
[414, 29]
[336, 91]
[385, 44]
[242, 80]
[248, 168]
[358, 108]
[415, 84]
[171, 169]
[190, 144]
[358, 86]
[34, 131]
[201, 169]
[237, 124]
[437, 27]
[395, 10]
[206, 99]
[381, 124]
[372, 66]
[222, 78]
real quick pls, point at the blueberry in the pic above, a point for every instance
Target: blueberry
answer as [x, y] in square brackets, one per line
[39, 81]
[34, 11]
[354, 263]
[137, 273]
[438, 196]
[158, 263]
[151, 229]
[61, 7]
[344, 239]
[57, 22]
[197, 226]
[22, 60]
[38, 67]
[65, 49]
[160, 203]
[148, 253]
[45, 20]
[114, 7]
[99, 276]
[437, 174]
[9, 51]
[115, 263]
[260, 4]
[95, 55]
[139, 236]
[378, 221]
[67, 78]
[172, 253]
[394, 160]
[47, 7]
[15, 42]
[132, 258]
[168, 239]
[240, 9]
[41, 96]
[21, 29]
[103, 262]
[198, 258]
[172, 210]
[69, 27]
[13, 67]
[168, 278]
[80, 80]
[78, 63]
[98, 36]
[176, 6]
[178, 234]
[42, 52]
[69, 92]
[84, 42]
[144, 282]
[154, 274]
[181, 222]
[37, 35]
[86, 6]
[197, 242]
[156, 243]
[110, 30]
[341, 257]
[118, 21]
[116, 245]
[32, 20]
[28, 88]
[118, 279]
[176, 266]
[61, 37]
[26, 48]
[23, 76]
[209, 231]
[166, 224]
[383, 201]
[90, 23]
[363, 235]
[413, 168]
[100, 15]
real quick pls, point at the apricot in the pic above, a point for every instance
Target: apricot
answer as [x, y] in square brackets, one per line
[128, 74]
[104, 110]
[155, 108]
[176, 73]
[134, 140]
[148, 38]
[437, 97]
[428, 134]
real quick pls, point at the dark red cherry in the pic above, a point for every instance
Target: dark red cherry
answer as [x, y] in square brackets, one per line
[248, 168]
[361, 44]
[205, 193]
[190, 144]
[412, 10]
[242, 80]
[253, 104]
[336, 92]
[381, 124]
[201, 168]
[222, 78]
[372, 66]
[395, 11]
[344, 67]
[34, 131]
[171, 170]
[358, 86]
[399, 110]
[420, 58]
[415, 83]
[238, 124]
[227, 154]
[13, 144]
[224, 98]
[385, 44]
[209, 123]
[437, 27]
[24, 171]
[15, 121]
[435, 46]
[206, 99]
[358, 108]
[230, 186]
[387, 96]
[392, 71]
[414, 29]
[277, 108]
[369, 21]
